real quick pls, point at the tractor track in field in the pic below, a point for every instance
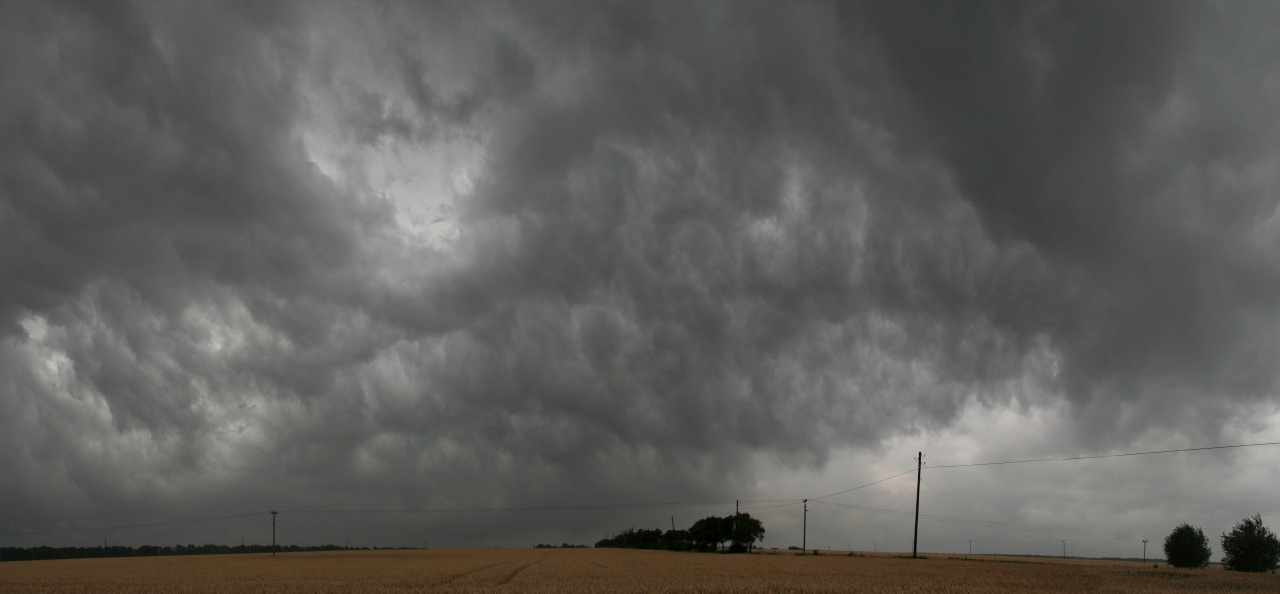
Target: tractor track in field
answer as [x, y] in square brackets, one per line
[512, 575]
[453, 577]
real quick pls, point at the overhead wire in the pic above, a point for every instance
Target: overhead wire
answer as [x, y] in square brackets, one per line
[905, 472]
[130, 526]
[1081, 534]
[530, 508]
[779, 502]
[789, 502]
[1099, 456]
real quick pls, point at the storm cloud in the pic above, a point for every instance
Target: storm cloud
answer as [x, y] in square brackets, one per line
[314, 256]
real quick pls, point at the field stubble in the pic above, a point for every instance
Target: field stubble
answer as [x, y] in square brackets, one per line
[604, 570]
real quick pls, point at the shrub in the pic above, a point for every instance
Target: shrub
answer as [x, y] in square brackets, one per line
[1187, 546]
[1251, 547]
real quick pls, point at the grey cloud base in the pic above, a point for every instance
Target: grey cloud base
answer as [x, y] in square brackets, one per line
[700, 242]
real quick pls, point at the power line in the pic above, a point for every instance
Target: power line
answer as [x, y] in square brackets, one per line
[1077, 534]
[364, 511]
[128, 526]
[1222, 447]
[776, 502]
[789, 502]
[376, 511]
[905, 472]
[535, 508]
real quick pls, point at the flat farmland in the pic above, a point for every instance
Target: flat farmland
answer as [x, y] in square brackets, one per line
[605, 570]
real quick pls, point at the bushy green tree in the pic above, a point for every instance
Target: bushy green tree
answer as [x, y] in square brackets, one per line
[1251, 547]
[1187, 546]
[707, 534]
[744, 532]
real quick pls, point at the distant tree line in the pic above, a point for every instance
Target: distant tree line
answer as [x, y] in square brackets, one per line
[42, 553]
[560, 546]
[735, 534]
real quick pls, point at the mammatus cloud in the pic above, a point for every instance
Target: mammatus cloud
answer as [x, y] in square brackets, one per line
[427, 257]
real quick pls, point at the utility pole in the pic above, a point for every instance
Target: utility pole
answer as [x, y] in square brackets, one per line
[673, 523]
[970, 546]
[273, 534]
[1144, 550]
[1064, 549]
[915, 538]
[735, 507]
[804, 529]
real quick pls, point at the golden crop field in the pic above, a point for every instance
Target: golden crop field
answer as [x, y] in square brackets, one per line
[604, 570]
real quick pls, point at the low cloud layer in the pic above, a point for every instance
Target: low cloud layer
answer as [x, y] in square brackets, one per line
[311, 257]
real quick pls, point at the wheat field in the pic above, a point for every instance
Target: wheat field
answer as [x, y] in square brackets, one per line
[605, 570]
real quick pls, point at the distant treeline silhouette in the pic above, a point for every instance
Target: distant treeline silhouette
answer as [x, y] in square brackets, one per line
[41, 553]
[736, 534]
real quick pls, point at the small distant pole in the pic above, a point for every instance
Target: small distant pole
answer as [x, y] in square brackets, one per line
[735, 507]
[915, 539]
[673, 523]
[971, 546]
[273, 534]
[804, 530]
[1064, 549]
[1144, 550]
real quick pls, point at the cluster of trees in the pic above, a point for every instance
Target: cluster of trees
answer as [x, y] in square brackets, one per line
[42, 553]
[1250, 546]
[561, 546]
[671, 540]
[736, 534]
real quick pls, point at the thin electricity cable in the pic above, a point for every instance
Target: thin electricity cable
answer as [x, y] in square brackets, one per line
[905, 472]
[1222, 447]
[872, 509]
[129, 526]
[644, 505]
[795, 502]
[502, 508]
[1079, 534]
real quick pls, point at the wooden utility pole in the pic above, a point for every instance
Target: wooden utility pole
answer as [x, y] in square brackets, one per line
[804, 530]
[915, 537]
[273, 534]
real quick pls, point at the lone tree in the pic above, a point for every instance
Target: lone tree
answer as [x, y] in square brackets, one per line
[1251, 547]
[744, 531]
[1187, 546]
[707, 534]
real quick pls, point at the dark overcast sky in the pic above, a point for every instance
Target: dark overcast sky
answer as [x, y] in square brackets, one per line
[381, 256]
